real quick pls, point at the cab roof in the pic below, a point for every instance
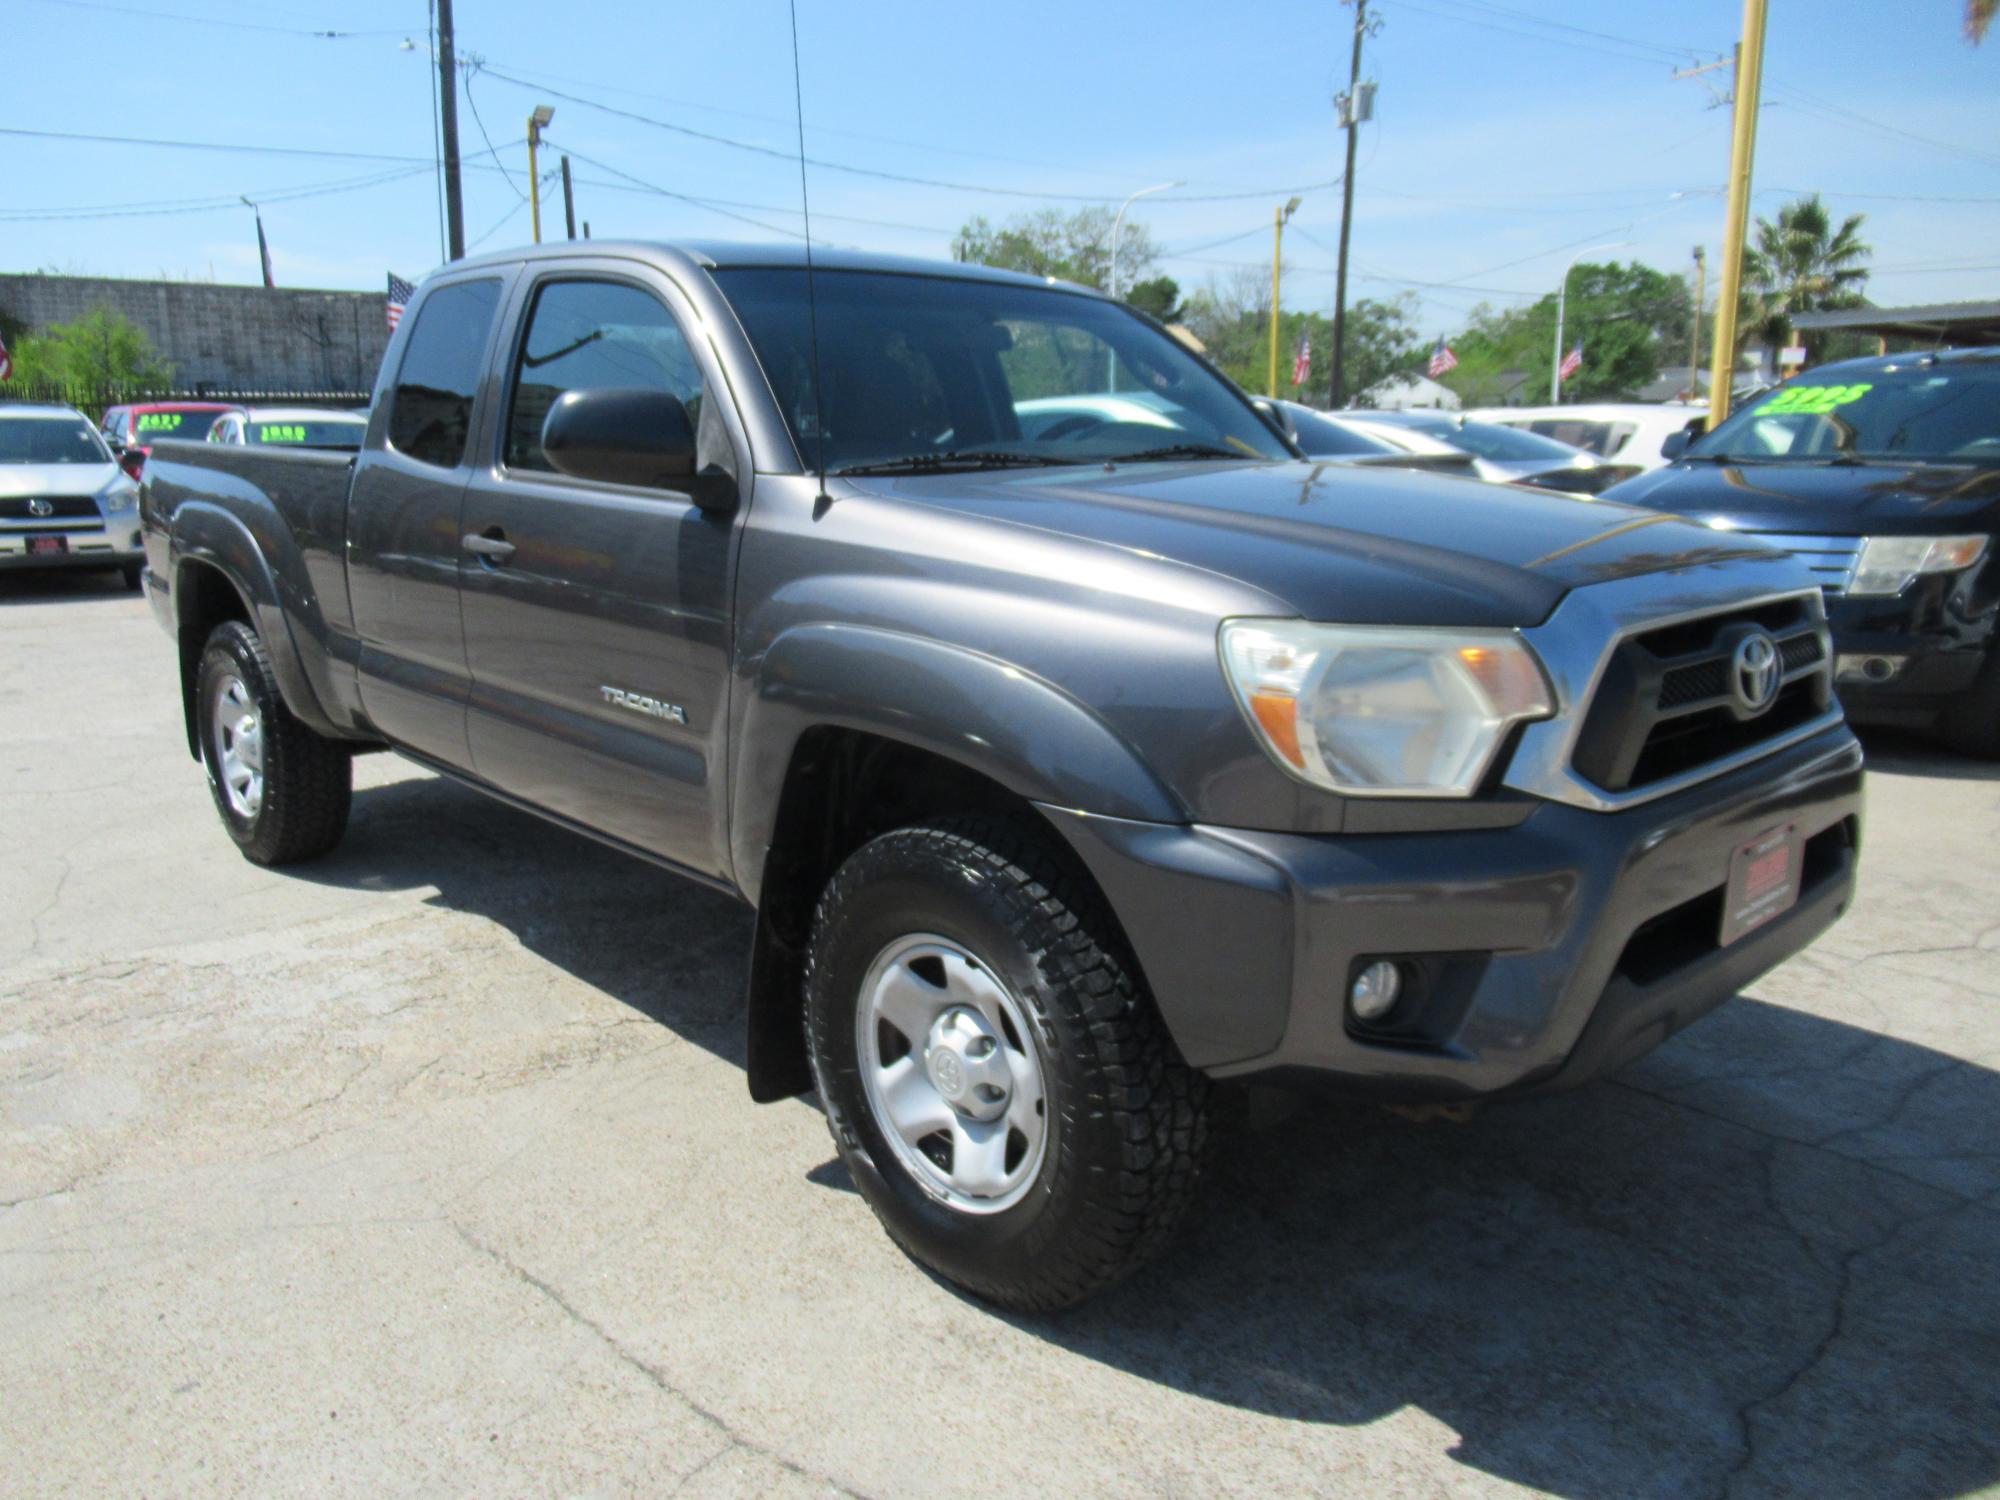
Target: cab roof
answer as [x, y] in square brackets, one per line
[721, 255]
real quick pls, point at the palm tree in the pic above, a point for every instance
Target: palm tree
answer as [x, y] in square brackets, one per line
[1978, 16]
[1801, 264]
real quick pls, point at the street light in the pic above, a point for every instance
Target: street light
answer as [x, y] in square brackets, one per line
[1562, 295]
[1279, 218]
[537, 123]
[1118, 224]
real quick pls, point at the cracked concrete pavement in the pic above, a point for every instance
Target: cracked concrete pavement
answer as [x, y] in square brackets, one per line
[429, 1169]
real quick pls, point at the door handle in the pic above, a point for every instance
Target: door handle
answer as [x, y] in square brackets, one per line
[489, 546]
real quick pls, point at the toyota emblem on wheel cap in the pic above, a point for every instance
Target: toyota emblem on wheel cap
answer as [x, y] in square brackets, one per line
[40, 507]
[1753, 672]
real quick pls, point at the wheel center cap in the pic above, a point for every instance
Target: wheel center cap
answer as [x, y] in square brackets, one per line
[968, 1065]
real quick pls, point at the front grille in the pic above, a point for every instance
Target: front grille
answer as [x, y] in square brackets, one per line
[1666, 704]
[1831, 559]
[16, 508]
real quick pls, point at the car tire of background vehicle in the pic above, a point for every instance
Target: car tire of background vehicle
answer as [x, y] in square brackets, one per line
[134, 577]
[283, 791]
[1972, 724]
[993, 924]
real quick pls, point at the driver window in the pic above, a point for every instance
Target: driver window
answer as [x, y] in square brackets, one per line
[598, 335]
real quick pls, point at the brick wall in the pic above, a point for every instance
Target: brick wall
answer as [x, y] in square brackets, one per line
[224, 336]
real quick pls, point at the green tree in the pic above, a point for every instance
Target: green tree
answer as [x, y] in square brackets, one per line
[101, 348]
[1631, 319]
[1232, 318]
[1072, 246]
[1159, 297]
[1802, 264]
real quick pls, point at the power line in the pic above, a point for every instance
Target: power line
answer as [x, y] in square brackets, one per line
[471, 67]
[1629, 51]
[236, 146]
[791, 158]
[1841, 115]
[1674, 54]
[322, 34]
[711, 207]
[166, 207]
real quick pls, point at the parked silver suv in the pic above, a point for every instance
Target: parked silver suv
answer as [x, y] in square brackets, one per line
[64, 502]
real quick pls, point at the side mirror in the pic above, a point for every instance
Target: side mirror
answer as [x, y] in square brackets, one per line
[1278, 416]
[622, 437]
[1675, 445]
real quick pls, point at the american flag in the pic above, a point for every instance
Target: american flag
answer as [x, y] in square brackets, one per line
[1442, 360]
[6, 362]
[1302, 365]
[400, 292]
[1572, 362]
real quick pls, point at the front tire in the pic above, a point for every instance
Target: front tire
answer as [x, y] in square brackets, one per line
[282, 790]
[996, 1079]
[1972, 724]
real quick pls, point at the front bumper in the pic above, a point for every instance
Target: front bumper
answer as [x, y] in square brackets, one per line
[1559, 949]
[1907, 656]
[115, 543]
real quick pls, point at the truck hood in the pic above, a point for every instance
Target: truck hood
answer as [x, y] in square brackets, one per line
[1827, 499]
[1336, 542]
[54, 479]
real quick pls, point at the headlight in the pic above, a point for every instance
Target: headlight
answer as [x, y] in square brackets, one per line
[1383, 711]
[1890, 564]
[122, 495]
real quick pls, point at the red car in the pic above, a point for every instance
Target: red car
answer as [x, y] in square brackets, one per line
[131, 430]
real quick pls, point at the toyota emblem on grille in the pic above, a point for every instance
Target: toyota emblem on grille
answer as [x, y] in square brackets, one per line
[1753, 672]
[40, 507]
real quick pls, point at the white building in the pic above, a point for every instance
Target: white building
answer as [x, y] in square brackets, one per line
[1405, 392]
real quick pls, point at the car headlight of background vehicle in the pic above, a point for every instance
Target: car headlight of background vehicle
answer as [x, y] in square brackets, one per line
[1890, 564]
[120, 494]
[1383, 710]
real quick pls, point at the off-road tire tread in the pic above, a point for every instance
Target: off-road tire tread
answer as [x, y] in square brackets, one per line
[1136, 1074]
[308, 779]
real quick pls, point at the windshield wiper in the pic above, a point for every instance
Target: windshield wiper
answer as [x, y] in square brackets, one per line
[1178, 450]
[972, 458]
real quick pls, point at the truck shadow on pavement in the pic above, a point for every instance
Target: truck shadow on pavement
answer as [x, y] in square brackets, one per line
[1902, 753]
[63, 586]
[1760, 1261]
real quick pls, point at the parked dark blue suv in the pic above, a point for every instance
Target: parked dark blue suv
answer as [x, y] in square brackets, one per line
[1883, 475]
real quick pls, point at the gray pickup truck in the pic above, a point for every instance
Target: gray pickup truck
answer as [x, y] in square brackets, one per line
[1078, 745]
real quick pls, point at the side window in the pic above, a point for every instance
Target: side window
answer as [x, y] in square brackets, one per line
[430, 413]
[597, 335]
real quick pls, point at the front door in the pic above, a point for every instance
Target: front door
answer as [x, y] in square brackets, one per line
[597, 616]
[403, 542]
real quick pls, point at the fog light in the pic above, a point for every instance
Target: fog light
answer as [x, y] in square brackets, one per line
[1375, 991]
[1857, 667]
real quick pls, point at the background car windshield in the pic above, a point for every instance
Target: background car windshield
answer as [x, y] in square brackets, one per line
[49, 440]
[1505, 444]
[920, 365]
[1936, 413]
[1321, 437]
[285, 432]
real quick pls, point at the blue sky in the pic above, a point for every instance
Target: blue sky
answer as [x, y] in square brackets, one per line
[1504, 140]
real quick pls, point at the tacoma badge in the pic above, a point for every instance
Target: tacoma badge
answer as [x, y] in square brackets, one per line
[639, 703]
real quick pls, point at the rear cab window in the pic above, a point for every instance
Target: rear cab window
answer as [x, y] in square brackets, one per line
[430, 406]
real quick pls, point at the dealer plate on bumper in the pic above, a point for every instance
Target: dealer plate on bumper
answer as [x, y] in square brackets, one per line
[1763, 881]
[47, 544]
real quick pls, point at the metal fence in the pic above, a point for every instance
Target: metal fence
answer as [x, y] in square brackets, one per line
[95, 400]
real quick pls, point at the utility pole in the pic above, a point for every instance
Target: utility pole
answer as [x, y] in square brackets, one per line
[1354, 110]
[454, 202]
[1742, 154]
[1278, 218]
[1694, 342]
[537, 123]
[569, 200]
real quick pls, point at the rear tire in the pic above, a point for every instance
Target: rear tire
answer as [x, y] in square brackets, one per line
[282, 790]
[1057, 1146]
[1972, 724]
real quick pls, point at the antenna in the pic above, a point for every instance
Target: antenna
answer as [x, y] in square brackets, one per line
[822, 500]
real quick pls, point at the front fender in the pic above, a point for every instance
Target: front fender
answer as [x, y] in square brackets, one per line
[996, 719]
[204, 534]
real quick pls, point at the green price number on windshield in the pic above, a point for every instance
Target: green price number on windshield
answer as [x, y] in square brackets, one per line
[1812, 400]
[159, 421]
[281, 432]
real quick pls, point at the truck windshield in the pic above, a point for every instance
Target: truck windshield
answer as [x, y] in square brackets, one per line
[49, 440]
[922, 368]
[1920, 412]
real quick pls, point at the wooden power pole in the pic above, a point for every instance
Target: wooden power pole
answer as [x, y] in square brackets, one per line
[1352, 108]
[454, 202]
